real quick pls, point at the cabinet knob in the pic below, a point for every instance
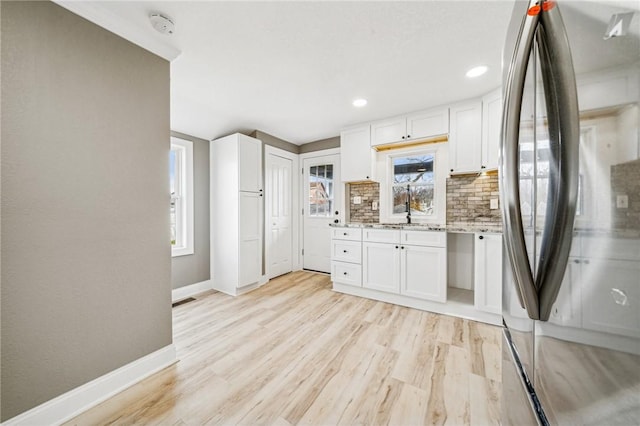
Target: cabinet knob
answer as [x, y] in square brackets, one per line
[408, 136]
[402, 247]
[481, 237]
[576, 261]
[261, 190]
[452, 170]
[344, 273]
[396, 246]
[483, 167]
[403, 137]
[344, 251]
[367, 177]
[336, 221]
[337, 212]
[261, 195]
[344, 233]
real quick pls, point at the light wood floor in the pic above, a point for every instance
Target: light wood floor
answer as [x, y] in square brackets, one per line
[295, 352]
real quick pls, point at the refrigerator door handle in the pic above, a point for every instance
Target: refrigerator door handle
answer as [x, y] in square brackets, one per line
[514, 239]
[559, 84]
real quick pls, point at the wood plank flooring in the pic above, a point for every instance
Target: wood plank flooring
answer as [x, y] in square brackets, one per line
[295, 352]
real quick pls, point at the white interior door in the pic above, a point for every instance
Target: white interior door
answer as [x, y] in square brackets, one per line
[279, 220]
[321, 207]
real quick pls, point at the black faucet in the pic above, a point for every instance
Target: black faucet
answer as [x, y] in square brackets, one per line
[408, 204]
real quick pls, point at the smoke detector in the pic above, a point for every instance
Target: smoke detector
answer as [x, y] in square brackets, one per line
[162, 23]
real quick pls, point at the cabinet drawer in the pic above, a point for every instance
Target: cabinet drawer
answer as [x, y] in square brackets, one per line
[381, 235]
[424, 238]
[351, 234]
[346, 273]
[346, 251]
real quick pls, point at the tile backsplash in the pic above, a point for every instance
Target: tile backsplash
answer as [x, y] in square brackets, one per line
[469, 197]
[363, 212]
[625, 181]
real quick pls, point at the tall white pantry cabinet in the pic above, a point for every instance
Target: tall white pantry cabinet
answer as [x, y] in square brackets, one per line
[236, 209]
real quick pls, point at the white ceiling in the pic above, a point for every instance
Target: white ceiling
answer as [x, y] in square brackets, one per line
[292, 69]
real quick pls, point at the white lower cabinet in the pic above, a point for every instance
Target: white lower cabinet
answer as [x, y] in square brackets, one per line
[346, 273]
[346, 256]
[381, 266]
[488, 273]
[423, 272]
[418, 271]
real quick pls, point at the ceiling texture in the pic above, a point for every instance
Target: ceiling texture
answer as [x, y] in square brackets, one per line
[292, 69]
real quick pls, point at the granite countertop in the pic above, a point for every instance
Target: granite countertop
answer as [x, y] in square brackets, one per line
[452, 227]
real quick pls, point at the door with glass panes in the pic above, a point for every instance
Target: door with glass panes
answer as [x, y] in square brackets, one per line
[321, 207]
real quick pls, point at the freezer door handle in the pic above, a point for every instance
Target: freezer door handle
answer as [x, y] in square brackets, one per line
[563, 117]
[513, 229]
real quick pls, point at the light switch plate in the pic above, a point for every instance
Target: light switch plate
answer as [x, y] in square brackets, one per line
[357, 200]
[622, 201]
[374, 205]
[493, 204]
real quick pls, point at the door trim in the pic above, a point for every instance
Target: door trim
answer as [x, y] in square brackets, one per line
[296, 259]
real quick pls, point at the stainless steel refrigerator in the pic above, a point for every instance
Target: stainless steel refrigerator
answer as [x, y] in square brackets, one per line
[570, 192]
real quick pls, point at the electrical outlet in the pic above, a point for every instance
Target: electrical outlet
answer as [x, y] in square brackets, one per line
[493, 204]
[622, 202]
[374, 205]
[357, 200]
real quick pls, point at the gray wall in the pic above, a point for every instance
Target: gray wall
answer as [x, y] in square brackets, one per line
[275, 142]
[85, 259]
[194, 268]
[320, 145]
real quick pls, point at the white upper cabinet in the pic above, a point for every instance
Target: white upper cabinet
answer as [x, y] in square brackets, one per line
[424, 124]
[356, 154]
[389, 131]
[491, 127]
[465, 137]
[250, 153]
[419, 125]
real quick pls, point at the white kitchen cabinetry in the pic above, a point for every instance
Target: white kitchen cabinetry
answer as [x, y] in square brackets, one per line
[491, 128]
[488, 272]
[423, 272]
[357, 157]
[567, 308]
[611, 308]
[381, 266]
[419, 125]
[236, 198]
[346, 256]
[417, 270]
[465, 137]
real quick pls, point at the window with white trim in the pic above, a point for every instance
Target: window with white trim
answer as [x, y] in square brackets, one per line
[181, 188]
[413, 184]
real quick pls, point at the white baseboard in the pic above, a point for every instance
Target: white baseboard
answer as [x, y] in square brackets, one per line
[78, 400]
[190, 290]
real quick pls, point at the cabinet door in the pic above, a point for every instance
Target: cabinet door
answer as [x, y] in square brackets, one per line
[356, 154]
[428, 123]
[566, 309]
[250, 247]
[611, 296]
[388, 131]
[465, 137]
[423, 272]
[491, 127]
[380, 267]
[488, 273]
[250, 163]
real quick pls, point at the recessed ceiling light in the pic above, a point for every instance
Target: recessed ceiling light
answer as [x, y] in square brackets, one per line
[359, 103]
[477, 71]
